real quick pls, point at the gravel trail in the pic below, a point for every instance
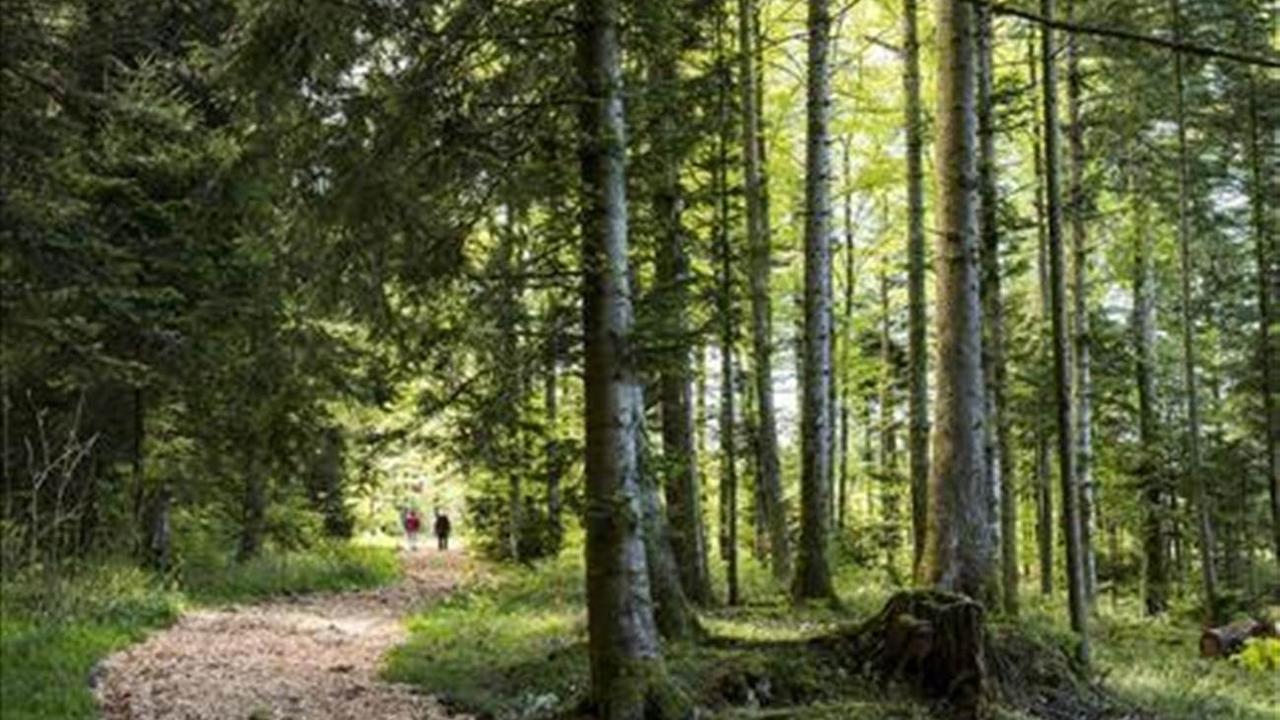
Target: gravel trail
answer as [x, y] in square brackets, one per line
[313, 657]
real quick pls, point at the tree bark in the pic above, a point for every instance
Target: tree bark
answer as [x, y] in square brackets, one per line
[728, 456]
[1195, 477]
[813, 576]
[842, 490]
[512, 382]
[999, 455]
[1061, 345]
[671, 609]
[628, 677]
[337, 518]
[728, 329]
[1268, 284]
[1077, 201]
[1044, 489]
[769, 472]
[960, 551]
[917, 340]
[675, 379]
[551, 401]
[888, 439]
[1154, 543]
[253, 523]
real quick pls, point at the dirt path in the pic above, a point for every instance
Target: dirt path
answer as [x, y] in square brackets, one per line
[311, 657]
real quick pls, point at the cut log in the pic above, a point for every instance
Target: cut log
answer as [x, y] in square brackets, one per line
[1228, 640]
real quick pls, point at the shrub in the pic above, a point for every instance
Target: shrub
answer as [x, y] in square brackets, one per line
[1259, 655]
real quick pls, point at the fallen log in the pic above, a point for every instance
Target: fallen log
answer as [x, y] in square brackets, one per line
[1228, 640]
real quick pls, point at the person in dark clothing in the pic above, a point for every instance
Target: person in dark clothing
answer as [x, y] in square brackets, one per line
[443, 527]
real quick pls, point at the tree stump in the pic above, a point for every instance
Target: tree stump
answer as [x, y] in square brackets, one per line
[934, 640]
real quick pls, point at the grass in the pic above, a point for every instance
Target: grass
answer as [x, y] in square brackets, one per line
[1155, 663]
[54, 630]
[510, 643]
[333, 567]
[512, 646]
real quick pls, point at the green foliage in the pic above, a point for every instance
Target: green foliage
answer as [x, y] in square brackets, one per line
[330, 567]
[489, 518]
[1260, 655]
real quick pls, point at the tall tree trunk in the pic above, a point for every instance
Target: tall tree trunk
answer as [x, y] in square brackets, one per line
[1154, 543]
[728, 326]
[511, 376]
[842, 497]
[759, 515]
[1195, 476]
[551, 400]
[1080, 294]
[888, 439]
[627, 671]
[960, 551]
[769, 473]
[1268, 288]
[999, 455]
[1044, 488]
[1061, 342]
[700, 400]
[333, 505]
[253, 523]
[159, 537]
[676, 381]
[833, 394]
[729, 463]
[813, 576]
[671, 608]
[728, 449]
[917, 340]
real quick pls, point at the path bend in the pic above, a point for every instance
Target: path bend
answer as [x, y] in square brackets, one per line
[301, 658]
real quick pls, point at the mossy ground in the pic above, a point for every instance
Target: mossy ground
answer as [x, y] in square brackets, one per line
[512, 646]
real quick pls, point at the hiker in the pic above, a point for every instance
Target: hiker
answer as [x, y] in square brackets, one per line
[412, 524]
[443, 526]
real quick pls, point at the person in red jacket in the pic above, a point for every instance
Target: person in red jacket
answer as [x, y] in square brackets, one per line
[412, 525]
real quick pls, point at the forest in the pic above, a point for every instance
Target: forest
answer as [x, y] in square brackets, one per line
[765, 359]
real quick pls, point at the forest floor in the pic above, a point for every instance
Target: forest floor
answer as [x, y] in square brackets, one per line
[511, 645]
[307, 656]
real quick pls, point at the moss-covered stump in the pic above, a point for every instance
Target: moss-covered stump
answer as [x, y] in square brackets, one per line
[935, 641]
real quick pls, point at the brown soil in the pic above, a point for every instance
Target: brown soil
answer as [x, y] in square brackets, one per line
[314, 656]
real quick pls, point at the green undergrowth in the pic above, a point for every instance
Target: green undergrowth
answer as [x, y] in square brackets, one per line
[1155, 663]
[512, 646]
[54, 628]
[334, 567]
[511, 643]
[53, 631]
